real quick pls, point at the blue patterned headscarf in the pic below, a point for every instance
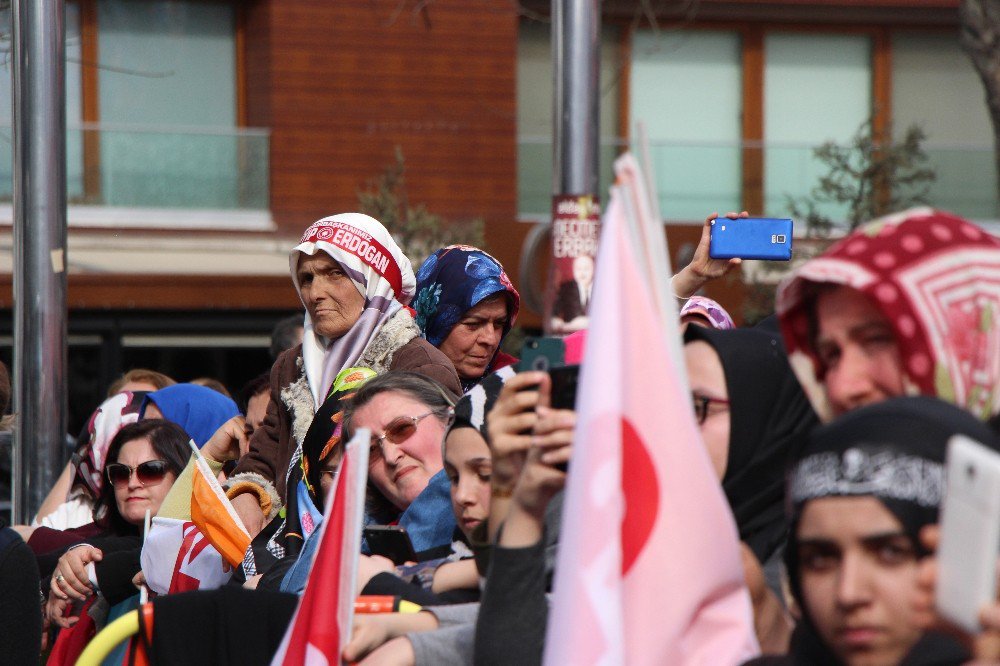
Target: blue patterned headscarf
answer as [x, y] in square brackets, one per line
[452, 281]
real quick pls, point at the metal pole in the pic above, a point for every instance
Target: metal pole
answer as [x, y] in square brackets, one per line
[576, 57]
[39, 376]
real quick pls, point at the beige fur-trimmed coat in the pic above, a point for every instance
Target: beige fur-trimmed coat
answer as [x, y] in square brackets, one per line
[290, 412]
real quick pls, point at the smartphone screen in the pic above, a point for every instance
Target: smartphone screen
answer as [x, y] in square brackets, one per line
[970, 532]
[390, 541]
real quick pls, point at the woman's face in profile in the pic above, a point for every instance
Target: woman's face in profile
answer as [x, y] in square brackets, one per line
[710, 396]
[468, 464]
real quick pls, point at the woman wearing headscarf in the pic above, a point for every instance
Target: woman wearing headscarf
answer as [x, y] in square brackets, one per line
[198, 409]
[466, 305]
[76, 507]
[908, 304]
[754, 422]
[860, 492]
[354, 281]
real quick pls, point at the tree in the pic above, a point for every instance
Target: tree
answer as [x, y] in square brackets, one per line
[872, 178]
[417, 231]
[980, 37]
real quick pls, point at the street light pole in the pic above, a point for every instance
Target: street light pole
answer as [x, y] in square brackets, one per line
[39, 377]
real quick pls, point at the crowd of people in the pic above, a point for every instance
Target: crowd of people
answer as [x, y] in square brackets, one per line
[826, 425]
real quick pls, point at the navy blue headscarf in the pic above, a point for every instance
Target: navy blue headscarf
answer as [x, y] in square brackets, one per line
[454, 280]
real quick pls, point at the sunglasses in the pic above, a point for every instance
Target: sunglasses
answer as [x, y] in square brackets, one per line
[148, 473]
[701, 404]
[400, 430]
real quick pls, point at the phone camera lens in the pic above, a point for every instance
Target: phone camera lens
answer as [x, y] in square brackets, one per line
[540, 363]
[970, 472]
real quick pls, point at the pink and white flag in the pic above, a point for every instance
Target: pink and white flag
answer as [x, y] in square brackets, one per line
[321, 626]
[669, 589]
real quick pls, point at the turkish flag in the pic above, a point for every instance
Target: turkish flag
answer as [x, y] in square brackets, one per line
[321, 626]
[648, 569]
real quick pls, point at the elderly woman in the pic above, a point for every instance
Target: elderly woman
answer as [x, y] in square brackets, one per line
[465, 307]
[906, 305]
[353, 280]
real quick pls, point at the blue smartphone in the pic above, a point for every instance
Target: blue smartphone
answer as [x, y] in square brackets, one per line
[767, 238]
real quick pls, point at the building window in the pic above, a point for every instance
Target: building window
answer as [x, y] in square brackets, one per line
[687, 90]
[935, 86]
[817, 88]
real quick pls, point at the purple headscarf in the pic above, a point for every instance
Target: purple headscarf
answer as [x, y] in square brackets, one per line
[716, 315]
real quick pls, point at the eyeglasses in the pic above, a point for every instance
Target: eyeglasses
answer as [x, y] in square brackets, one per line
[400, 430]
[148, 473]
[701, 403]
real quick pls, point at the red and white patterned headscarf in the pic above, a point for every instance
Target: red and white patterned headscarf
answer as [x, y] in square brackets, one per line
[89, 458]
[936, 278]
[380, 272]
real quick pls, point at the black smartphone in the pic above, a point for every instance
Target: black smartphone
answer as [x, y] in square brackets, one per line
[390, 541]
[564, 381]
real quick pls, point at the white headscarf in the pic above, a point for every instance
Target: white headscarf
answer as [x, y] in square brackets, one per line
[380, 272]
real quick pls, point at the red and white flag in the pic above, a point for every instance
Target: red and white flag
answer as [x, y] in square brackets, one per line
[321, 626]
[176, 557]
[670, 588]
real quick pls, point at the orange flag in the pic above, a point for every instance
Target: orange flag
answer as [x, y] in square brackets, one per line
[215, 516]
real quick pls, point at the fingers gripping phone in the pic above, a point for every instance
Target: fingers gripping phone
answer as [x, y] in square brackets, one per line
[390, 541]
[970, 533]
[766, 238]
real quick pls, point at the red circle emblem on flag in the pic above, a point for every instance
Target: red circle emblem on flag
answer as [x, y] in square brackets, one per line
[641, 492]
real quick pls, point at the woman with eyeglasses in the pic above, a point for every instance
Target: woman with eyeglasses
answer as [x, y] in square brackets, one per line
[144, 460]
[753, 418]
[408, 415]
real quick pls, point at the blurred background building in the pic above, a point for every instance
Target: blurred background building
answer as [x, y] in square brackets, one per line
[204, 136]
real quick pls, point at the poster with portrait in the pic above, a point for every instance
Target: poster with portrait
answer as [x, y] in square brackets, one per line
[575, 228]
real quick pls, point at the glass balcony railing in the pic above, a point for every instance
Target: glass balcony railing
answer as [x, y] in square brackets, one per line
[159, 167]
[696, 178]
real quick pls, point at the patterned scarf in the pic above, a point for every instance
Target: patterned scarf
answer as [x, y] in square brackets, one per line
[716, 315]
[454, 280]
[380, 272]
[936, 278]
[88, 460]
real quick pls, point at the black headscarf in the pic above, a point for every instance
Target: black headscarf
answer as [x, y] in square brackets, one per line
[471, 410]
[769, 418]
[893, 451]
[284, 536]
